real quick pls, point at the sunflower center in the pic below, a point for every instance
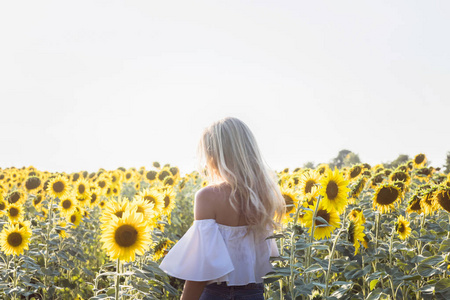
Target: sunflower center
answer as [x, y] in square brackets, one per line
[119, 214]
[289, 203]
[387, 195]
[419, 158]
[332, 190]
[166, 201]
[401, 228]
[13, 212]
[75, 177]
[37, 200]
[32, 183]
[323, 214]
[151, 175]
[93, 198]
[128, 176]
[81, 189]
[15, 239]
[308, 186]
[67, 204]
[2, 205]
[150, 199]
[73, 218]
[355, 172]
[443, 199]
[400, 176]
[14, 197]
[126, 236]
[58, 186]
[415, 204]
[140, 209]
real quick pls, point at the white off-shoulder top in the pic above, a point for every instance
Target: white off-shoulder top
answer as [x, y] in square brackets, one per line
[213, 252]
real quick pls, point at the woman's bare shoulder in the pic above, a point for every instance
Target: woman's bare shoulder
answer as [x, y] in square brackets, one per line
[206, 201]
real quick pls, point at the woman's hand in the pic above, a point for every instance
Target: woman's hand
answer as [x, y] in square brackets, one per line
[193, 290]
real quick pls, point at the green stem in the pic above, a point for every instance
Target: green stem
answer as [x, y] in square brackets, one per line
[311, 238]
[117, 280]
[292, 254]
[329, 261]
[377, 221]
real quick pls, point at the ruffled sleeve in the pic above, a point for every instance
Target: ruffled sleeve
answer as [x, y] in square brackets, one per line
[200, 255]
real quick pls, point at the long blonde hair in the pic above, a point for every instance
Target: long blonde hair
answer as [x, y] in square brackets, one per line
[228, 152]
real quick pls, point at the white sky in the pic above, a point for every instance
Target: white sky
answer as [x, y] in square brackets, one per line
[90, 84]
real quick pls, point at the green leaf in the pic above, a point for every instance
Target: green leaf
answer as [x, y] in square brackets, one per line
[432, 260]
[442, 289]
[445, 246]
[375, 294]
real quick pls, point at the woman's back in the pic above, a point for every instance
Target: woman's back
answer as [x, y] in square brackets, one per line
[221, 207]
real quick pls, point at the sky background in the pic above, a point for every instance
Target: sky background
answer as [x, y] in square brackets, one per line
[102, 84]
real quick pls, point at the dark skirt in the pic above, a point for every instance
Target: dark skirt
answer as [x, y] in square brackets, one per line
[251, 291]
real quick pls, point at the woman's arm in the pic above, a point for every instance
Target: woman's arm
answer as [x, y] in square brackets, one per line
[203, 209]
[193, 290]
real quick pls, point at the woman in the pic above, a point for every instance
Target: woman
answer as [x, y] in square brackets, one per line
[225, 253]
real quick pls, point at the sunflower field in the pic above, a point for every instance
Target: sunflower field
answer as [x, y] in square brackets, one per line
[359, 232]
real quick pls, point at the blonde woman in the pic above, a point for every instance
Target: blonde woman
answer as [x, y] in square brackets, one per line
[225, 252]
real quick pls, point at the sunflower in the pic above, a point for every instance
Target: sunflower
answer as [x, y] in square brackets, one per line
[13, 240]
[355, 171]
[3, 207]
[152, 196]
[94, 197]
[37, 199]
[357, 216]
[400, 176]
[60, 229]
[160, 249]
[116, 208]
[356, 235]
[376, 180]
[414, 204]
[322, 168]
[291, 202]
[357, 188]
[150, 176]
[156, 164]
[15, 197]
[169, 181]
[14, 212]
[144, 207]
[67, 205]
[419, 160]
[82, 188]
[322, 230]
[58, 187]
[169, 200]
[33, 183]
[334, 190]
[102, 204]
[307, 181]
[429, 204]
[385, 196]
[442, 196]
[129, 175]
[124, 237]
[163, 174]
[74, 218]
[402, 227]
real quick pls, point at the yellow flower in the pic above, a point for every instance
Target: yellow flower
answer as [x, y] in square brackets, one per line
[334, 190]
[402, 227]
[15, 197]
[169, 200]
[116, 208]
[61, 232]
[442, 196]
[74, 218]
[67, 206]
[322, 230]
[125, 237]
[308, 180]
[82, 188]
[58, 187]
[355, 171]
[291, 202]
[419, 160]
[14, 212]
[144, 207]
[13, 240]
[356, 235]
[154, 197]
[160, 249]
[414, 204]
[33, 183]
[357, 216]
[385, 196]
